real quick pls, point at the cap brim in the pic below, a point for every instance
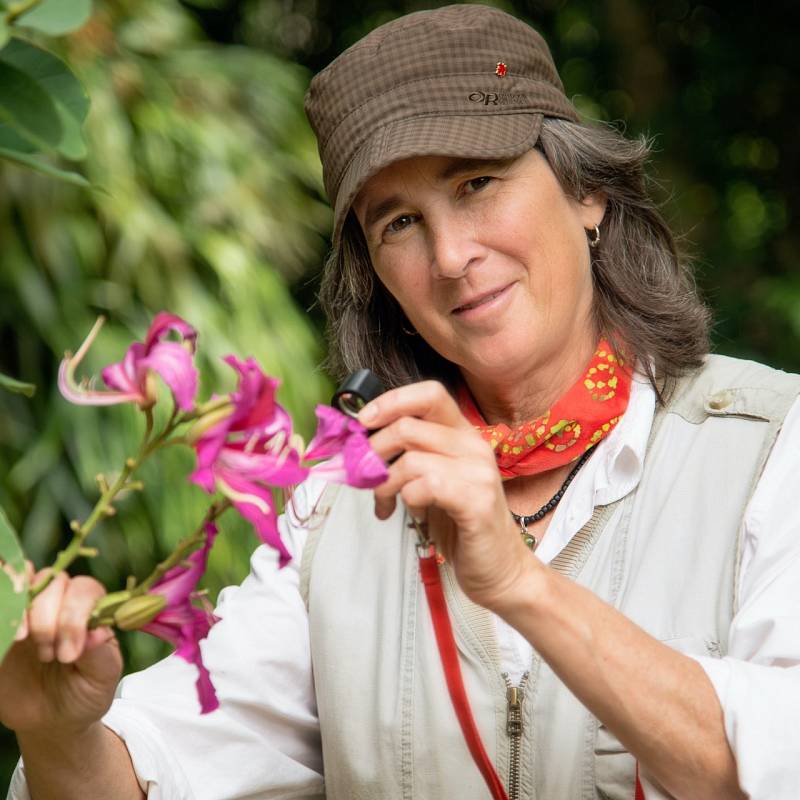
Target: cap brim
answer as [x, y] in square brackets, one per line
[482, 136]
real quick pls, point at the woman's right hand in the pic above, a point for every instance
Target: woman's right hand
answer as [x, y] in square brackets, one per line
[58, 677]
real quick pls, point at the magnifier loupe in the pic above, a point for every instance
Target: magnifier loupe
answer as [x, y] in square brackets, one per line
[361, 387]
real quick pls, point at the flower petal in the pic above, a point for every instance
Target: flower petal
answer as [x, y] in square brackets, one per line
[182, 624]
[163, 323]
[344, 442]
[83, 396]
[256, 505]
[162, 630]
[254, 397]
[206, 693]
[365, 468]
[174, 364]
[177, 584]
[332, 469]
[279, 469]
[280, 423]
[333, 430]
[207, 448]
[127, 375]
[356, 465]
[129, 391]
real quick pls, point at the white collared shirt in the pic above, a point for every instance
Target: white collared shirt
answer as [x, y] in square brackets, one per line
[610, 474]
[264, 741]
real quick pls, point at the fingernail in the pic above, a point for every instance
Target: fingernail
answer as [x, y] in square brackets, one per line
[21, 633]
[368, 413]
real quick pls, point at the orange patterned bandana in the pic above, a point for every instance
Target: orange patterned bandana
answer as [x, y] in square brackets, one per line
[578, 420]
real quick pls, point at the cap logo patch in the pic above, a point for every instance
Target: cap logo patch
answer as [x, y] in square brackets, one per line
[497, 98]
[501, 69]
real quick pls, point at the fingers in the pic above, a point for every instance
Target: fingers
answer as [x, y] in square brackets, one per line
[59, 615]
[414, 466]
[422, 418]
[43, 614]
[96, 661]
[428, 400]
[455, 485]
[410, 433]
[80, 597]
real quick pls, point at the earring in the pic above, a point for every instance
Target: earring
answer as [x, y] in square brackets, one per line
[594, 241]
[406, 331]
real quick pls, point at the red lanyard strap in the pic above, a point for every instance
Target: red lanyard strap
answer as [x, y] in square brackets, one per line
[429, 572]
[639, 790]
[445, 641]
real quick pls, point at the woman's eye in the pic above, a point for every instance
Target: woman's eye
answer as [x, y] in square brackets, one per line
[399, 224]
[476, 184]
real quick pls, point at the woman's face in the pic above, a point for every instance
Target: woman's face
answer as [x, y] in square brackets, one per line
[488, 260]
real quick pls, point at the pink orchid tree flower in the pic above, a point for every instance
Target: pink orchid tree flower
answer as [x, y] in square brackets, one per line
[181, 622]
[249, 451]
[245, 448]
[130, 380]
[344, 443]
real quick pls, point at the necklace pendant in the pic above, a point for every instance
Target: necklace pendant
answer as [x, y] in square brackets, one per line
[529, 540]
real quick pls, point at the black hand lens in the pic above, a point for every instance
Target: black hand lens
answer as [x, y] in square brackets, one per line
[359, 388]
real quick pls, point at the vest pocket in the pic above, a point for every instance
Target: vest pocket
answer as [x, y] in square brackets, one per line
[614, 766]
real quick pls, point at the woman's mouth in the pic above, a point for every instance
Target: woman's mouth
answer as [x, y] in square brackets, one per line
[482, 301]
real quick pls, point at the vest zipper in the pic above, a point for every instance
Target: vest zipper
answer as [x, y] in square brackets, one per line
[515, 695]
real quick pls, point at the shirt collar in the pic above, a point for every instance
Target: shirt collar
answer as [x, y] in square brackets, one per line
[610, 474]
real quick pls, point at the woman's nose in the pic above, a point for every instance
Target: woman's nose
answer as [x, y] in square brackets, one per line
[454, 246]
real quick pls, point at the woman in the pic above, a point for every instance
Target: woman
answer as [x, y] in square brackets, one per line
[498, 264]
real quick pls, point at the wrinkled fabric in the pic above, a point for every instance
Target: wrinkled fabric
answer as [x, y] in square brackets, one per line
[264, 740]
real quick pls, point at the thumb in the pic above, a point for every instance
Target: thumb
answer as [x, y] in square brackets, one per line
[101, 659]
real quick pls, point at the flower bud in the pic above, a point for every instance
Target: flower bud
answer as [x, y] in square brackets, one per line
[208, 421]
[138, 611]
[110, 602]
[150, 391]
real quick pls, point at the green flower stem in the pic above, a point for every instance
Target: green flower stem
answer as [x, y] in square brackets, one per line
[104, 506]
[148, 423]
[104, 611]
[184, 546]
[207, 408]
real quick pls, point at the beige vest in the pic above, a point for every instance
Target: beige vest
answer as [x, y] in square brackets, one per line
[666, 555]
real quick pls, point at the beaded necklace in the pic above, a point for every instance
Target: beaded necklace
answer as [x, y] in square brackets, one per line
[524, 520]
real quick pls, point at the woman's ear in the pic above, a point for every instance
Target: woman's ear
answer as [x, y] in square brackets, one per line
[593, 209]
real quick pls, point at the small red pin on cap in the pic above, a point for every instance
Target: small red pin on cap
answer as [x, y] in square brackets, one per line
[500, 69]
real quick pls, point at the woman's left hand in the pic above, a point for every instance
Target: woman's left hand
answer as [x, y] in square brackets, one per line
[446, 474]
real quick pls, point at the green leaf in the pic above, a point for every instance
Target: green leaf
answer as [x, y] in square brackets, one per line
[13, 584]
[65, 91]
[56, 17]
[36, 163]
[18, 387]
[4, 31]
[27, 107]
[11, 140]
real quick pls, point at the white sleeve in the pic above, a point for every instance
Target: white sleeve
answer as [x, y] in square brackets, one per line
[758, 681]
[264, 739]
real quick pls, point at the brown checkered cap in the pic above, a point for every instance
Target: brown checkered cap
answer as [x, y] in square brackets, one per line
[428, 84]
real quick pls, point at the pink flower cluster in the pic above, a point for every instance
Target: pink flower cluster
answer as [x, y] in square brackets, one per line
[131, 379]
[181, 622]
[244, 445]
[253, 449]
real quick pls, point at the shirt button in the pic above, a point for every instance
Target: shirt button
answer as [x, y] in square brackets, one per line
[719, 401]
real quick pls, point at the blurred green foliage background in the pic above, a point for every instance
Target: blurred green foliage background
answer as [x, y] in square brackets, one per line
[212, 207]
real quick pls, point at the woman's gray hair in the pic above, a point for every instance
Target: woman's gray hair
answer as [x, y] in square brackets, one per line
[645, 300]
